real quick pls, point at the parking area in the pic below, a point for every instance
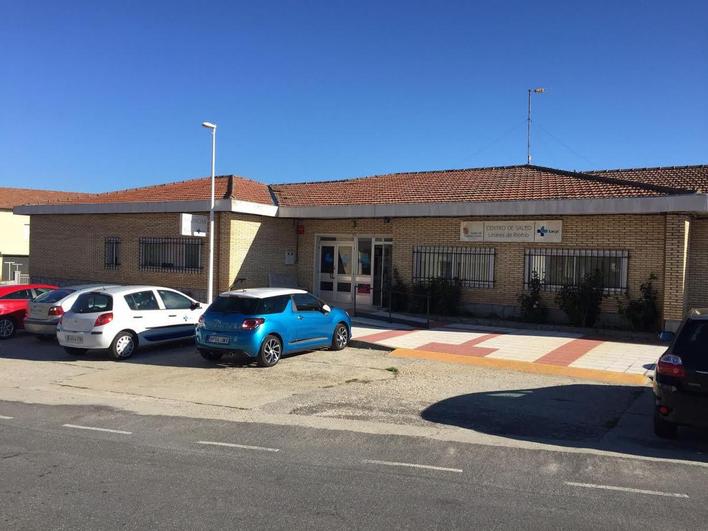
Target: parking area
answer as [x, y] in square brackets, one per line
[355, 389]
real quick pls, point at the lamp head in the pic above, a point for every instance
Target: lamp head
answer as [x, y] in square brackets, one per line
[209, 125]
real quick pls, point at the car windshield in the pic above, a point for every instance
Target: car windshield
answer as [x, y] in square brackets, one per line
[692, 344]
[54, 296]
[92, 303]
[240, 305]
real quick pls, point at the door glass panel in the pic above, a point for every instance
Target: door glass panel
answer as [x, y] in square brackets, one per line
[344, 287]
[378, 255]
[326, 286]
[327, 259]
[364, 256]
[344, 263]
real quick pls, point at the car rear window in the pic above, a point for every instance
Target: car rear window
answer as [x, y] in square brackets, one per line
[54, 296]
[692, 344]
[234, 304]
[93, 303]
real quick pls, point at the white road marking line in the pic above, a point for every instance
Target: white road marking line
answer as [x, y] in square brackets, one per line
[242, 446]
[107, 430]
[3, 417]
[627, 489]
[411, 465]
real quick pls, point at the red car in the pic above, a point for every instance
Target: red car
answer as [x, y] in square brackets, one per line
[14, 300]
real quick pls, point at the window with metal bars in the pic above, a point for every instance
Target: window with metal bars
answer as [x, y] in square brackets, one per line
[473, 267]
[171, 254]
[111, 252]
[559, 267]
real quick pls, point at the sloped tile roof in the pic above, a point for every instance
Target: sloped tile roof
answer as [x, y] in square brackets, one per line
[226, 187]
[12, 197]
[693, 178]
[509, 183]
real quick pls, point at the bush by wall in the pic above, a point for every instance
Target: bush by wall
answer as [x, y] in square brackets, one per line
[581, 303]
[642, 313]
[532, 308]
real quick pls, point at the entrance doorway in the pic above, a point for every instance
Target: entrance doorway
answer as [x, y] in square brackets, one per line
[351, 266]
[336, 272]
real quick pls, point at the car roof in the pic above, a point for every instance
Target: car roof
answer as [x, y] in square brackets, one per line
[122, 290]
[9, 288]
[698, 313]
[261, 293]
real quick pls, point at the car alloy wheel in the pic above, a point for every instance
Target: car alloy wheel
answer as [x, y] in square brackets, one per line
[342, 337]
[7, 328]
[271, 350]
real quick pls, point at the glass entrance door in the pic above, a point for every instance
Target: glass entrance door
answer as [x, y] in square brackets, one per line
[343, 273]
[335, 272]
[383, 273]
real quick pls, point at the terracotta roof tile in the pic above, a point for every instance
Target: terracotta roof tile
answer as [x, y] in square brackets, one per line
[508, 183]
[226, 187]
[12, 197]
[688, 177]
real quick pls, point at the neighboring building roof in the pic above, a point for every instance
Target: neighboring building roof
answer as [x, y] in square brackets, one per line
[226, 187]
[694, 178]
[12, 197]
[506, 183]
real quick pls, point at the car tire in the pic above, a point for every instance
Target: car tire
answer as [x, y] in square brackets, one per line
[340, 338]
[210, 355]
[73, 351]
[270, 352]
[7, 327]
[124, 345]
[664, 428]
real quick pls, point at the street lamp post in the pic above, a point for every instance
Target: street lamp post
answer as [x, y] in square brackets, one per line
[528, 129]
[210, 288]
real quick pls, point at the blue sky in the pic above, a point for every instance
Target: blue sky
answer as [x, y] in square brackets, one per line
[103, 95]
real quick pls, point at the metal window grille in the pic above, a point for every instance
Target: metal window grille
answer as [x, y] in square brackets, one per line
[111, 253]
[559, 267]
[473, 267]
[171, 254]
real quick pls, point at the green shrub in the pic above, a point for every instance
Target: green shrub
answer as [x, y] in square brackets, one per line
[581, 303]
[642, 313]
[532, 307]
[400, 293]
[445, 296]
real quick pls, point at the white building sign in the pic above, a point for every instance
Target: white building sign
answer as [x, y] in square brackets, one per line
[549, 231]
[194, 225]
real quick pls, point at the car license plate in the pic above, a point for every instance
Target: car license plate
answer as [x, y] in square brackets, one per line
[221, 340]
[73, 338]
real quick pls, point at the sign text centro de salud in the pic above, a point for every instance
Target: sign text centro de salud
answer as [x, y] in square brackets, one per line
[512, 231]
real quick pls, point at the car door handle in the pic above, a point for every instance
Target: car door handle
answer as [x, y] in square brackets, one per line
[173, 315]
[300, 317]
[137, 317]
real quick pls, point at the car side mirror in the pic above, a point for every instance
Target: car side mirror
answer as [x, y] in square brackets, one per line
[195, 306]
[666, 337]
[326, 308]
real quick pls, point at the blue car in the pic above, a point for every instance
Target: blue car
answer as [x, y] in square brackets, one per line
[266, 323]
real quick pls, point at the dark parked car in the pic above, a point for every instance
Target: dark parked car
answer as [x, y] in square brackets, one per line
[681, 381]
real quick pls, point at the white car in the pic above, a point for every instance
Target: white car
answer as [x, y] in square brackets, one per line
[122, 318]
[44, 312]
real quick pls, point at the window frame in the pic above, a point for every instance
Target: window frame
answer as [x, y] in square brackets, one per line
[536, 259]
[111, 252]
[464, 264]
[171, 255]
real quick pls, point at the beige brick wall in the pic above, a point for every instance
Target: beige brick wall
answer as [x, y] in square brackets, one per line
[257, 248]
[641, 235]
[676, 255]
[698, 264]
[70, 248]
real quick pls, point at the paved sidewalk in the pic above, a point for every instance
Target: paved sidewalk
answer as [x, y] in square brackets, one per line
[530, 350]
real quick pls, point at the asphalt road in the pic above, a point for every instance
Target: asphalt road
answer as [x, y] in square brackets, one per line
[58, 472]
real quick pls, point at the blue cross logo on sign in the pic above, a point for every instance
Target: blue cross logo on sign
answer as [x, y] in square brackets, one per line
[542, 230]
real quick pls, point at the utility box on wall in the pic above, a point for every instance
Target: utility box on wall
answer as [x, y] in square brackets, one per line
[289, 257]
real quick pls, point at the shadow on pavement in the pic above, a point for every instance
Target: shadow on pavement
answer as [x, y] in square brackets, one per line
[604, 417]
[178, 354]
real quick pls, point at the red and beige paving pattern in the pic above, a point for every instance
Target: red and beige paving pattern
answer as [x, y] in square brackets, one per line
[530, 350]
